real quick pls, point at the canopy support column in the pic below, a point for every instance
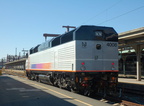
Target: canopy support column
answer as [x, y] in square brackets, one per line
[138, 63]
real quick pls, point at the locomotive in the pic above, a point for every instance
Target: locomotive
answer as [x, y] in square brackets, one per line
[83, 60]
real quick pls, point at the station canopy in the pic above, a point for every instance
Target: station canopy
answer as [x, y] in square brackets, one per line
[131, 38]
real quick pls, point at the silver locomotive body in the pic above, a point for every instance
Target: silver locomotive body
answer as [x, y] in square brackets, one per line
[84, 59]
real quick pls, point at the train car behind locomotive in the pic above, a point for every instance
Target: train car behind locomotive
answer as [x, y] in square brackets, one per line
[84, 59]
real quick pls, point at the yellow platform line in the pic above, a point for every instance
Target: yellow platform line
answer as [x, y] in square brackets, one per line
[64, 95]
[56, 92]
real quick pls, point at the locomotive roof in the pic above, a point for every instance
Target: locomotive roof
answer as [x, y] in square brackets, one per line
[87, 32]
[84, 32]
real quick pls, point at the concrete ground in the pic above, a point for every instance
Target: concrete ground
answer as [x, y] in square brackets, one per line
[17, 91]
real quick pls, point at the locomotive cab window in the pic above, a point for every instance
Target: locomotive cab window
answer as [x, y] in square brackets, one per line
[99, 35]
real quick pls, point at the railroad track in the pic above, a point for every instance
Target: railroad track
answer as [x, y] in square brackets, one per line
[132, 91]
[128, 103]
[121, 102]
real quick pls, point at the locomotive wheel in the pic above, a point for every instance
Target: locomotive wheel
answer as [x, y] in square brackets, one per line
[39, 80]
[60, 83]
[29, 76]
[55, 83]
[72, 90]
[87, 93]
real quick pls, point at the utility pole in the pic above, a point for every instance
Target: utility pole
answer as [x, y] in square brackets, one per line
[68, 27]
[15, 57]
[2, 63]
[24, 51]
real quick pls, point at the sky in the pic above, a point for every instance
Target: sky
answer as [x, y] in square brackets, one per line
[23, 22]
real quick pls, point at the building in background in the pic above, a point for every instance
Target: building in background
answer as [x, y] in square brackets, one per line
[2, 63]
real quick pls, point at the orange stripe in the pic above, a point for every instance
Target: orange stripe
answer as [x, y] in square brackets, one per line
[73, 70]
[97, 71]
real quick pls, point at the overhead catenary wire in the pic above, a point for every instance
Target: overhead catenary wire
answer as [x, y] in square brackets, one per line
[101, 12]
[121, 15]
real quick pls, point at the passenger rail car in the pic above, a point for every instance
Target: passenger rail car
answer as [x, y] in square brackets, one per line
[84, 59]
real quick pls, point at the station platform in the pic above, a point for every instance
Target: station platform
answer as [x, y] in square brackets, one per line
[131, 85]
[130, 81]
